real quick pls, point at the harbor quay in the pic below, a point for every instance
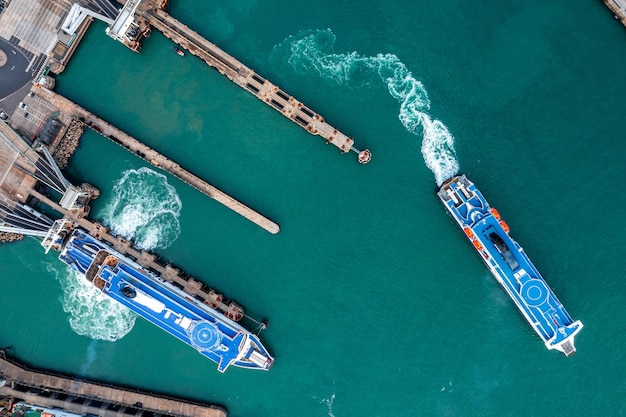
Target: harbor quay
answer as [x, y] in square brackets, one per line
[153, 157]
[81, 397]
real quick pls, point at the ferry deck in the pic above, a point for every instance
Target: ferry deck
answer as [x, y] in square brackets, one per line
[213, 334]
[509, 264]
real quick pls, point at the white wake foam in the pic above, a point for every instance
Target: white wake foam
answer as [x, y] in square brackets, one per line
[314, 51]
[329, 405]
[92, 313]
[90, 356]
[145, 209]
[328, 402]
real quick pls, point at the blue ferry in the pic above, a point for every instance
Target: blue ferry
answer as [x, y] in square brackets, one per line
[213, 334]
[509, 264]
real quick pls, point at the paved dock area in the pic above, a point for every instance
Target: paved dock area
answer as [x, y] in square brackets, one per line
[158, 160]
[246, 78]
[32, 26]
[16, 171]
[89, 398]
[31, 36]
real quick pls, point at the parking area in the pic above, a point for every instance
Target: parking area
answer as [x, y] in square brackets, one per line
[32, 114]
[34, 23]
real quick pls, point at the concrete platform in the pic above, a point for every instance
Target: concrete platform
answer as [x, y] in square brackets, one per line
[84, 397]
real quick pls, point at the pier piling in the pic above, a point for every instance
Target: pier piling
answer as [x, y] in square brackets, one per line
[89, 398]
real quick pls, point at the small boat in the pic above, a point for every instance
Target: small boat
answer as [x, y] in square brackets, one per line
[179, 51]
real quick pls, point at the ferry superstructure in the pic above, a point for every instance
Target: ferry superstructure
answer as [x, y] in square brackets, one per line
[509, 264]
[213, 334]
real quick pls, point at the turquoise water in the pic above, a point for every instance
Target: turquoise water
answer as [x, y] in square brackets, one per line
[378, 306]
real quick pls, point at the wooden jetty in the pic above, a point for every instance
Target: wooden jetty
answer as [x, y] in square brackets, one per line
[155, 158]
[246, 78]
[79, 396]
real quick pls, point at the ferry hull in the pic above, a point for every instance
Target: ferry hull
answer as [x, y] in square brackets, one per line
[509, 264]
[211, 333]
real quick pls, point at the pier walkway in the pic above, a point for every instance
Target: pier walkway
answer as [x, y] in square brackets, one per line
[89, 398]
[246, 78]
[158, 160]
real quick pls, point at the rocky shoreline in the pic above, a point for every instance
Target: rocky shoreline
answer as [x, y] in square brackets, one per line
[6, 237]
[69, 143]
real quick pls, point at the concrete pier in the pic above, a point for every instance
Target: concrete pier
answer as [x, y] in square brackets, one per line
[158, 160]
[89, 398]
[618, 7]
[246, 78]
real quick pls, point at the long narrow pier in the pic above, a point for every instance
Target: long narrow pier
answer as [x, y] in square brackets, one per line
[618, 7]
[158, 160]
[89, 398]
[246, 78]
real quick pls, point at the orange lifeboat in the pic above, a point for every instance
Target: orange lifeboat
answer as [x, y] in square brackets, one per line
[478, 245]
[469, 233]
[504, 226]
[495, 213]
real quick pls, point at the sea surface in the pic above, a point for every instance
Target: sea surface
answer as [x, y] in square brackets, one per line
[378, 306]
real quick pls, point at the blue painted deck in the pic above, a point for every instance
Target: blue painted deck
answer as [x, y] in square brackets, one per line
[208, 331]
[509, 264]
